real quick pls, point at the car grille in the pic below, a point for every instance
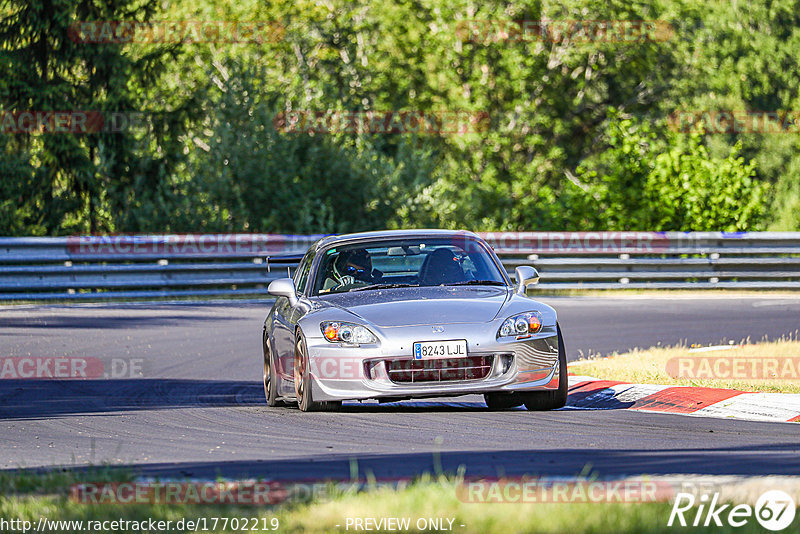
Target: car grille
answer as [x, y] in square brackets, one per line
[444, 370]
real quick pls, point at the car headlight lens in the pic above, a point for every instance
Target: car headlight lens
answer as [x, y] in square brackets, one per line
[347, 333]
[521, 325]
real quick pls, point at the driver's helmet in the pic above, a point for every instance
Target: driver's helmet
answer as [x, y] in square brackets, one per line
[356, 263]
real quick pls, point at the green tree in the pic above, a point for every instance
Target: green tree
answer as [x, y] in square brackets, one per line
[77, 182]
[640, 182]
[211, 162]
[250, 176]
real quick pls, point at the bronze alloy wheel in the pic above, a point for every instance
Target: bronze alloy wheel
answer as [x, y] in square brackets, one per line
[267, 382]
[302, 381]
[536, 400]
[299, 371]
[270, 379]
[552, 400]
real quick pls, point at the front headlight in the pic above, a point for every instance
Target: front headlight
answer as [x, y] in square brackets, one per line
[347, 333]
[521, 325]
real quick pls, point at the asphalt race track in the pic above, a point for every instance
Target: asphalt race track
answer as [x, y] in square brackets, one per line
[198, 409]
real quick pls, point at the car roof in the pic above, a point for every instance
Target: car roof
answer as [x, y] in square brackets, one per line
[390, 234]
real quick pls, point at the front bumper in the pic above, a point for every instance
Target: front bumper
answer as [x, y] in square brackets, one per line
[388, 370]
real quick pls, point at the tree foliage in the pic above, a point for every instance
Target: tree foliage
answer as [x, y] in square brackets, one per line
[578, 136]
[641, 182]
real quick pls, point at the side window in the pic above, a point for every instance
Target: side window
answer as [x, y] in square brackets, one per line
[301, 275]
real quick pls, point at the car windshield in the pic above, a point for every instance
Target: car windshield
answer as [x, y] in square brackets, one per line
[408, 262]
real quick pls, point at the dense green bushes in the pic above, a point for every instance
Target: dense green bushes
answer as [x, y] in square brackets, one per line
[642, 182]
[578, 136]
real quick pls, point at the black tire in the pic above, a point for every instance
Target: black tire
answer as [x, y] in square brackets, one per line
[503, 401]
[551, 400]
[270, 378]
[302, 381]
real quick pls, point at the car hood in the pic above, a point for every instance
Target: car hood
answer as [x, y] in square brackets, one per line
[421, 305]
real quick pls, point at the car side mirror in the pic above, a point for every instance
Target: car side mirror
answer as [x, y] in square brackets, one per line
[526, 275]
[283, 287]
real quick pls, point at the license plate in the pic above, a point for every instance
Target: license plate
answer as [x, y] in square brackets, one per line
[430, 350]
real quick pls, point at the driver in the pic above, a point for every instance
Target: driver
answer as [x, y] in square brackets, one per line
[350, 267]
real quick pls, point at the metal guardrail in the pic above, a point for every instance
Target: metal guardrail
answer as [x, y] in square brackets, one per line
[109, 267]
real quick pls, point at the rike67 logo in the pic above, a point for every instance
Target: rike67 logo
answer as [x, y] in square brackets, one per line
[774, 510]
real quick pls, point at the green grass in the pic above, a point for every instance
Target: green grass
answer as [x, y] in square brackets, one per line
[29, 497]
[49, 481]
[650, 366]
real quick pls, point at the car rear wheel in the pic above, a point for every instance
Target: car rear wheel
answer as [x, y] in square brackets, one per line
[550, 400]
[302, 381]
[270, 379]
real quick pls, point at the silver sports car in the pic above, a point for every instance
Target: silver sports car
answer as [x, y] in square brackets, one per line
[409, 314]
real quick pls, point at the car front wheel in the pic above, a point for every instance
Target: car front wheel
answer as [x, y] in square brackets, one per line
[302, 381]
[536, 400]
[551, 400]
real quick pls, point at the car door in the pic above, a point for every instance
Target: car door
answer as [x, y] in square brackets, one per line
[286, 317]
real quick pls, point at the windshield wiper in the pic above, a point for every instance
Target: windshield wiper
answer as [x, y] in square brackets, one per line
[477, 283]
[383, 286]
